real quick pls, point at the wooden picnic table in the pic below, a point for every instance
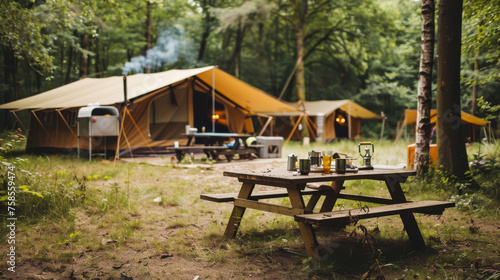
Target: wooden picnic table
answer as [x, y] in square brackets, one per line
[295, 188]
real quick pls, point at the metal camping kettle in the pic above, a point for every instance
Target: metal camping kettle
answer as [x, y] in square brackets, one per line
[367, 157]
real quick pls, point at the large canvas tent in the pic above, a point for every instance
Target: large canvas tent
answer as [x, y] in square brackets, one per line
[327, 120]
[469, 121]
[159, 107]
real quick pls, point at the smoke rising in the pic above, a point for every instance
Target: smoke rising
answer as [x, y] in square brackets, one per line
[171, 47]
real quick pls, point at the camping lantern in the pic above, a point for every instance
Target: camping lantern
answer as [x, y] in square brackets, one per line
[97, 121]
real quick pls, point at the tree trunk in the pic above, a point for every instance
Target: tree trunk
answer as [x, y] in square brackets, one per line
[10, 74]
[423, 131]
[206, 32]
[148, 35]
[98, 62]
[300, 80]
[69, 66]
[300, 73]
[84, 62]
[452, 156]
[236, 55]
[476, 80]
[203, 43]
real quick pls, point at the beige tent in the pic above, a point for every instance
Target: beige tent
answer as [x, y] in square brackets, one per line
[161, 105]
[327, 120]
[470, 122]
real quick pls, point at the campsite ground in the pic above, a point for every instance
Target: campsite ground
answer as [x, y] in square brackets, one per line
[143, 219]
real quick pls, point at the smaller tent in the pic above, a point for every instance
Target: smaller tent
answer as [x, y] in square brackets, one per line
[327, 120]
[341, 118]
[469, 121]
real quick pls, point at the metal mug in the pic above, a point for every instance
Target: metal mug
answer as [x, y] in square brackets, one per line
[291, 164]
[304, 166]
[315, 158]
[340, 165]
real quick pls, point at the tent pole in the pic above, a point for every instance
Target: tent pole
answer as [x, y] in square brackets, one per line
[491, 132]
[65, 122]
[140, 132]
[117, 153]
[400, 131]
[271, 132]
[293, 129]
[349, 126]
[43, 127]
[90, 141]
[269, 119]
[126, 138]
[78, 139]
[213, 100]
[19, 120]
[311, 127]
[383, 124]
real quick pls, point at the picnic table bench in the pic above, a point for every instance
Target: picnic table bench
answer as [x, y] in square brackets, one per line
[211, 151]
[295, 188]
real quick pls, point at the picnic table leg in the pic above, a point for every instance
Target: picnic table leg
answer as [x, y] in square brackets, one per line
[306, 230]
[237, 214]
[179, 155]
[409, 222]
[215, 154]
[209, 153]
[331, 196]
[229, 157]
[312, 203]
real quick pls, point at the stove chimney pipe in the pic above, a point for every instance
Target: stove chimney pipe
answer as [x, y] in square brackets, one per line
[125, 97]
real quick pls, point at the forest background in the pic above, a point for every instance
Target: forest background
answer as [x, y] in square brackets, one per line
[364, 50]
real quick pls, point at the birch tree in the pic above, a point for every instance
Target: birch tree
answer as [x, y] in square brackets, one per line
[423, 131]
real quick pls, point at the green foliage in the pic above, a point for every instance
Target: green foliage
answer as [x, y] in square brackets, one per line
[477, 193]
[362, 50]
[487, 110]
[481, 34]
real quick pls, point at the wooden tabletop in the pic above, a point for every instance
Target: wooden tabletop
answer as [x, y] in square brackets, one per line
[280, 176]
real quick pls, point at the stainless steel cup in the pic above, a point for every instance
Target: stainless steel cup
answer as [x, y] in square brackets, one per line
[304, 166]
[291, 163]
[340, 165]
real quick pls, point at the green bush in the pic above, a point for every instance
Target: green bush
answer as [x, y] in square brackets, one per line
[478, 192]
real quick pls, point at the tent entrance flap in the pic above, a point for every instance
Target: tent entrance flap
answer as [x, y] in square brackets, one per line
[341, 124]
[202, 114]
[169, 113]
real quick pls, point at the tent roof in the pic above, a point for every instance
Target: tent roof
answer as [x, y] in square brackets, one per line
[411, 118]
[109, 91]
[327, 107]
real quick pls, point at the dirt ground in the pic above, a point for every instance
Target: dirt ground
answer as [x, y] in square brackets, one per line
[145, 261]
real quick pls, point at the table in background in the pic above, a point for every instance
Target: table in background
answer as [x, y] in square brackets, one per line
[216, 143]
